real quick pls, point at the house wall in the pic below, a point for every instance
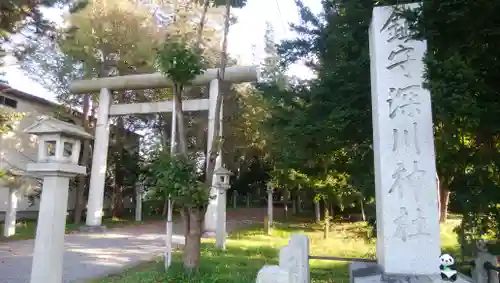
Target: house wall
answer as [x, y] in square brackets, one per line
[17, 149]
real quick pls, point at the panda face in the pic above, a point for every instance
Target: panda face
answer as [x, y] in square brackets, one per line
[446, 260]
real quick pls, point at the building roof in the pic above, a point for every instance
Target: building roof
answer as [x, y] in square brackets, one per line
[5, 88]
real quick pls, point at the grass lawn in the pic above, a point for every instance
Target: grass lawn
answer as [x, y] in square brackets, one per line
[247, 251]
[26, 229]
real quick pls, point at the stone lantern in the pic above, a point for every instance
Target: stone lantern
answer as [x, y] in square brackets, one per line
[59, 146]
[222, 177]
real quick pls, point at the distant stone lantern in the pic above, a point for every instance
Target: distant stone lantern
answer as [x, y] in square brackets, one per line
[223, 177]
[59, 146]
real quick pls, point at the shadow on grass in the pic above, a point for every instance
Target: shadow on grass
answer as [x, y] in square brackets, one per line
[236, 264]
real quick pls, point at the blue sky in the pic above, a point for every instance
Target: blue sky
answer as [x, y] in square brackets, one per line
[247, 32]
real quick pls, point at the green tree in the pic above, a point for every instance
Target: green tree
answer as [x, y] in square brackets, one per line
[272, 72]
[19, 15]
[463, 77]
[182, 63]
[323, 127]
[176, 176]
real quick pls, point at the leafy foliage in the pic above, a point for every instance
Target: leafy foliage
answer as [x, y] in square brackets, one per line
[176, 176]
[328, 123]
[7, 118]
[180, 62]
[19, 15]
[233, 3]
[319, 131]
[463, 77]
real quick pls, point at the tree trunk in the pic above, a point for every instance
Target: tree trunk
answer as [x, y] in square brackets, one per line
[82, 179]
[444, 199]
[326, 230]
[185, 223]
[119, 184]
[285, 207]
[332, 213]
[180, 121]
[286, 197]
[202, 23]
[193, 240]
[165, 208]
[317, 211]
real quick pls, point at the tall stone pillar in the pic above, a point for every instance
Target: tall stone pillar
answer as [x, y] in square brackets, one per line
[49, 242]
[99, 164]
[9, 228]
[408, 239]
[100, 153]
[211, 214]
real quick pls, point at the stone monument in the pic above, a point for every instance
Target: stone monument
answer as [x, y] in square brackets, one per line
[59, 146]
[408, 241]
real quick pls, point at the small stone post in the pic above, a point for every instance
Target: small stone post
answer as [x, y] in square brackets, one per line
[326, 224]
[235, 199]
[9, 228]
[270, 204]
[479, 273]
[222, 182]
[248, 199]
[59, 146]
[299, 203]
[139, 190]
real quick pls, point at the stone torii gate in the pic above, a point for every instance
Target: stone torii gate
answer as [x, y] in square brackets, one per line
[105, 86]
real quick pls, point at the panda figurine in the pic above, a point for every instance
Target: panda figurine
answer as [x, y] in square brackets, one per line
[447, 270]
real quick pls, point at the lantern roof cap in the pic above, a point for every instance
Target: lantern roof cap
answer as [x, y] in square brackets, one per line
[51, 125]
[223, 171]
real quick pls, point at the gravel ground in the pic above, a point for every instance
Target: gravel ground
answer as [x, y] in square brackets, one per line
[90, 256]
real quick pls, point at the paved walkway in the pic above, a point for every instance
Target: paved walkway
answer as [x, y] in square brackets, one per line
[90, 256]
